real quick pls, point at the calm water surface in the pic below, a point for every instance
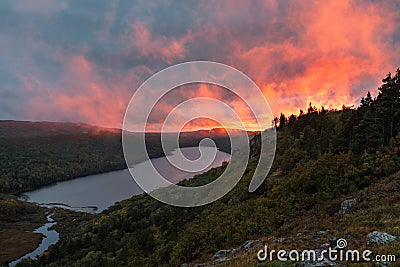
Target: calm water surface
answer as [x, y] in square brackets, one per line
[95, 193]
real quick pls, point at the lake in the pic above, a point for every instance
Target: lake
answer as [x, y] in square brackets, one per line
[95, 193]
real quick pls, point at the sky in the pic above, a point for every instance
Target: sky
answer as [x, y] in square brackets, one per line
[81, 61]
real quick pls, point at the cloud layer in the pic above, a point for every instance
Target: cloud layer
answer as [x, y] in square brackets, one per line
[80, 61]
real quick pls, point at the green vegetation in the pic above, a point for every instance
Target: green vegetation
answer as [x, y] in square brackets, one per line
[377, 209]
[29, 161]
[322, 158]
[19, 219]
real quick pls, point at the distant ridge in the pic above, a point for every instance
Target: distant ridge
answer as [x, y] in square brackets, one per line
[10, 128]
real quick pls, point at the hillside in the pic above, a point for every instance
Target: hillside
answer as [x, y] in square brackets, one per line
[10, 128]
[323, 157]
[34, 154]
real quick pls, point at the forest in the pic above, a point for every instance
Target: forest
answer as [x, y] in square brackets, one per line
[31, 158]
[322, 157]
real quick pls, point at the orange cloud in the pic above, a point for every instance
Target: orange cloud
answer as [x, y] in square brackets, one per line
[338, 46]
[139, 38]
[202, 90]
[325, 52]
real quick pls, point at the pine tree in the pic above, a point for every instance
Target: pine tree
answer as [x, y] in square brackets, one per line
[367, 101]
[388, 106]
[282, 120]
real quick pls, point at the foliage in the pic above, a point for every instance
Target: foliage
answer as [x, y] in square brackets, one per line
[30, 161]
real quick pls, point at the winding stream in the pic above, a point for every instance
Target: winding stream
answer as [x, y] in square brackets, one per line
[50, 237]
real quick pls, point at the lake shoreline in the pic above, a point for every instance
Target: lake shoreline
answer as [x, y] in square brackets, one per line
[95, 193]
[18, 193]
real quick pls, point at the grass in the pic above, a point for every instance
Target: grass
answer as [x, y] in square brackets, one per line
[19, 219]
[377, 209]
[15, 243]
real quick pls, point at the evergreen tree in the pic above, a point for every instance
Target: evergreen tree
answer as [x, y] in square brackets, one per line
[292, 119]
[367, 101]
[388, 105]
[282, 120]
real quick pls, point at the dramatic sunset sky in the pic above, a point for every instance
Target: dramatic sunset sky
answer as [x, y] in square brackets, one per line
[81, 61]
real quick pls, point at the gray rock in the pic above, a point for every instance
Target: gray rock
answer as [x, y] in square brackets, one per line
[322, 234]
[221, 260]
[185, 265]
[250, 245]
[236, 251]
[383, 264]
[346, 206]
[221, 254]
[317, 263]
[226, 254]
[380, 238]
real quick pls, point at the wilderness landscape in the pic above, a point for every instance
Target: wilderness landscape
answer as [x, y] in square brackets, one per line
[322, 77]
[323, 158]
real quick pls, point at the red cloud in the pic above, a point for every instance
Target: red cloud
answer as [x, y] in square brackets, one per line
[141, 41]
[327, 52]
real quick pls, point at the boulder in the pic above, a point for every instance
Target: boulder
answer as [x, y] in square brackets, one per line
[221, 255]
[250, 245]
[346, 206]
[380, 238]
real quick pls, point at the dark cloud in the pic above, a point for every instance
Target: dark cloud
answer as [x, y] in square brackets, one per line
[82, 60]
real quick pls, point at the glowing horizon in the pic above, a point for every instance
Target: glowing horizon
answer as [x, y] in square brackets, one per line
[67, 61]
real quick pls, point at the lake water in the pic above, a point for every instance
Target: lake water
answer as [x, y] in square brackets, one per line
[50, 237]
[95, 193]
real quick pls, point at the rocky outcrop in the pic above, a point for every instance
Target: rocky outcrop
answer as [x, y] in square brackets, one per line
[379, 238]
[226, 254]
[221, 255]
[346, 206]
